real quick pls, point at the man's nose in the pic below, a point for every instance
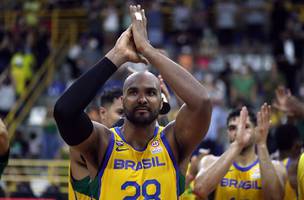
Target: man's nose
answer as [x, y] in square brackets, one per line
[142, 99]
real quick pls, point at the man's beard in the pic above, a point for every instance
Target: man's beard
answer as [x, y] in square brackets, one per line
[141, 120]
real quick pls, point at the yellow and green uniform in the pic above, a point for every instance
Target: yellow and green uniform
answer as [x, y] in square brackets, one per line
[290, 193]
[188, 194]
[137, 174]
[3, 162]
[241, 183]
[300, 177]
[83, 189]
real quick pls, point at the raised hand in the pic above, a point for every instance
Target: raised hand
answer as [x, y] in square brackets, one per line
[288, 103]
[263, 120]
[139, 27]
[125, 45]
[3, 129]
[242, 137]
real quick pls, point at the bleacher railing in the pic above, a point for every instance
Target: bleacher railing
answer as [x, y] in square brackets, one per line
[31, 170]
[65, 28]
[38, 84]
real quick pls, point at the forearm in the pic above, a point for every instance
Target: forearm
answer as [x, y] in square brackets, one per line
[4, 143]
[271, 185]
[69, 109]
[182, 82]
[207, 179]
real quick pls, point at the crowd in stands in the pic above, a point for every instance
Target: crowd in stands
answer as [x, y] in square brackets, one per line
[241, 49]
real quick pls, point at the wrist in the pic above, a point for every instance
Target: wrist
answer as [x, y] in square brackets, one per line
[146, 49]
[261, 145]
[116, 57]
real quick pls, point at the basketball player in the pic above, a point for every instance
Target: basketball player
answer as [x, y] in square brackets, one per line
[241, 173]
[81, 187]
[291, 105]
[289, 145]
[139, 160]
[4, 146]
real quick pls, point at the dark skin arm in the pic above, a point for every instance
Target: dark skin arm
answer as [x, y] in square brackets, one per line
[93, 148]
[193, 119]
[4, 141]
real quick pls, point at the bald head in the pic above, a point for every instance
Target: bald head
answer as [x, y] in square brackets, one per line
[146, 79]
[142, 98]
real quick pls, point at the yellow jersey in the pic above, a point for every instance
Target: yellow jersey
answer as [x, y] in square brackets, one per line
[188, 194]
[241, 183]
[300, 177]
[128, 173]
[290, 193]
[83, 189]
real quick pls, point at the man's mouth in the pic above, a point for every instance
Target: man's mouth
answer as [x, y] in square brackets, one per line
[142, 109]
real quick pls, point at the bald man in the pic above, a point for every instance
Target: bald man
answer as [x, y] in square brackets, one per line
[138, 160]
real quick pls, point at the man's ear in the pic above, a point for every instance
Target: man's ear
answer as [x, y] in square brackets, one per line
[102, 112]
[165, 106]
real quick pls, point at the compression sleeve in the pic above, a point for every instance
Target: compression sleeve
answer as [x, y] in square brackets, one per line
[73, 124]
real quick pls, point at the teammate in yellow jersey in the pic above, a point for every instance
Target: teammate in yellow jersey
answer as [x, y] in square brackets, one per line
[240, 173]
[300, 177]
[294, 108]
[110, 110]
[138, 160]
[289, 145]
[191, 174]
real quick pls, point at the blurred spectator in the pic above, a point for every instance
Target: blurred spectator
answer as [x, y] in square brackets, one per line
[52, 192]
[181, 16]
[35, 145]
[94, 19]
[8, 96]
[155, 26]
[110, 24]
[6, 50]
[270, 81]
[19, 147]
[41, 46]
[288, 52]
[209, 44]
[225, 75]
[31, 9]
[243, 87]
[226, 14]
[214, 136]
[89, 55]
[50, 141]
[2, 192]
[21, 70]
[278, 19]
[23, 191]
[255, 20]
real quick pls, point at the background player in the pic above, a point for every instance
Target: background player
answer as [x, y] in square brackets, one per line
[240, 173]
[293, 108]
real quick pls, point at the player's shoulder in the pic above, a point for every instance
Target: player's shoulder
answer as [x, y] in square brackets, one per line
[101, 129]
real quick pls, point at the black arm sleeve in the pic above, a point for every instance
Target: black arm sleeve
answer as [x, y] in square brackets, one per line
[73, 124]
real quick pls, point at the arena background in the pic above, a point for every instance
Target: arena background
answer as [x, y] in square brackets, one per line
[240, 49]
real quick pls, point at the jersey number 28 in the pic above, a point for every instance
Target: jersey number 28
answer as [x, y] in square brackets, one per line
[142, 190]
